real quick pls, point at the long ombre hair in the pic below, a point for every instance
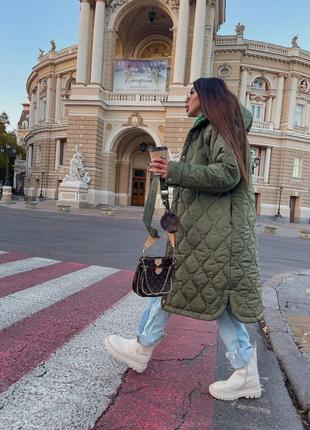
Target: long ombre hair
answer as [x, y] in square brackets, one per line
[221, 107]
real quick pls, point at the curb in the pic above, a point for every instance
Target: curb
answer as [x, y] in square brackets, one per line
[294, 364]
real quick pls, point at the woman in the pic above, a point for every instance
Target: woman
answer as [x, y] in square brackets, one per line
[217, 275]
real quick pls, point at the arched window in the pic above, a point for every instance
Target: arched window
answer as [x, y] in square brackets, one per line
[260, 84]
[24, 124]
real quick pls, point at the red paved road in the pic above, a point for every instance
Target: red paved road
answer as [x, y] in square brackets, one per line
[32, 340]
[172, 393]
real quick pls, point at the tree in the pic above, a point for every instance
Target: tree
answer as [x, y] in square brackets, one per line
[8, 138]
[4, 122]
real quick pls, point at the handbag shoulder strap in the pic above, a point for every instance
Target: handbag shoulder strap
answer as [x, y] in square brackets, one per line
[151, 240]
[150, 204]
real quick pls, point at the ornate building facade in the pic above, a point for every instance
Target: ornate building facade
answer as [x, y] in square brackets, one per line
[123, 87]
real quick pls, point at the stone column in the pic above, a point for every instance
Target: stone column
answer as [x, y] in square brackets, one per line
[48, 100]
[292, 102]
[36, 120]
[32, 111]
[58, 99]
[198, 40]
[268, 108]
[307, 116]
[208, 72]
[98, 43]
[278, 101]
[181, 43]
[243, 85]
[267, 165]
[57, 154]
[247, 101]
[81, 74]
[29, 157]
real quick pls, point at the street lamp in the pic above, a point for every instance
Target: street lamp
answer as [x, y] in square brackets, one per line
[41, 194]
[278, 214]
[7, 151]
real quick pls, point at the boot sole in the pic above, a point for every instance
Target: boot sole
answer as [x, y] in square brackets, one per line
[248, 394]
[124, 359]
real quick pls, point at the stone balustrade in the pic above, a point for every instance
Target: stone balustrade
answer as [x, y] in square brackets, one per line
[136, 98]
[262, 126]
[258, 180]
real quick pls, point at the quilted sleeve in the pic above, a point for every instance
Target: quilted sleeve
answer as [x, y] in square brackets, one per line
[221, 175]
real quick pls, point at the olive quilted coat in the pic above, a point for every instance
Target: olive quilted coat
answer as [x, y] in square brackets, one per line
[216, 254]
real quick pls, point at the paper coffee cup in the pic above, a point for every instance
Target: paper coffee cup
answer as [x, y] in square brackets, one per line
[160, 152]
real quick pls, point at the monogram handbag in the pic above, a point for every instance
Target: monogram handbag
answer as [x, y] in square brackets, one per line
[153, 275]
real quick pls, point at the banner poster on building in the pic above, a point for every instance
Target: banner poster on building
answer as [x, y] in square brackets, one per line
[138, 75]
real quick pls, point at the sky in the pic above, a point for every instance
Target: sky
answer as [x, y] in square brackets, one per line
[26, 26]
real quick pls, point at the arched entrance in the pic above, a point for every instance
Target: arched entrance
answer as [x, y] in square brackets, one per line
[142, 47]
[132, 177]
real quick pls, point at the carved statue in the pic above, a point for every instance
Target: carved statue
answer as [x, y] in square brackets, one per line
[294, 42]
[304, 86]
[174, 4]
[77, 171]
[41, 53]
[53, 45]
[113, 4]
[240, 29]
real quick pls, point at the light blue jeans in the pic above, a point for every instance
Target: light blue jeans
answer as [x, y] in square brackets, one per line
[233, 332]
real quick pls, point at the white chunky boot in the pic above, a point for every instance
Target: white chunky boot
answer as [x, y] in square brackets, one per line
[243, 382]
[129, 351]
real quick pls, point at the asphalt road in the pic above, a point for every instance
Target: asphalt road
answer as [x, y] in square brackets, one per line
[116, 243]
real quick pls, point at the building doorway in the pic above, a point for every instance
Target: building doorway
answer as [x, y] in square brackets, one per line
[132, 178]
[294, 208]
[138, 187]
[257, 203]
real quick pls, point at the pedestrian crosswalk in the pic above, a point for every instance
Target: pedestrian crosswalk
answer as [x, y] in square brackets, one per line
[54, 371]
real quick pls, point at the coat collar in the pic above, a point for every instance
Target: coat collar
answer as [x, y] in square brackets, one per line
[200, 121]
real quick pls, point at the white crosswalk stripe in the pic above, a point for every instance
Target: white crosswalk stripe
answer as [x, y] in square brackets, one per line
[73, 386]
[19, 266]
[71, 390]
[22, 304]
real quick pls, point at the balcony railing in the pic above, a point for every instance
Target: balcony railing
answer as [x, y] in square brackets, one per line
[299, 129]
[262, 125]
[44, 124]
[136, 98]
[252, 44]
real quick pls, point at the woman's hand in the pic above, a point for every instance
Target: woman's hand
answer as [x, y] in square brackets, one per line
[159, 166]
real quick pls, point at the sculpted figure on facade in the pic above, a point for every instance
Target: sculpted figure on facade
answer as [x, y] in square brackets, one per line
[240, 29]
[294, 42]
[53, 45]
[114, 4]
[304, 85]
[77, 170]
[174, 4]
[41, 53]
